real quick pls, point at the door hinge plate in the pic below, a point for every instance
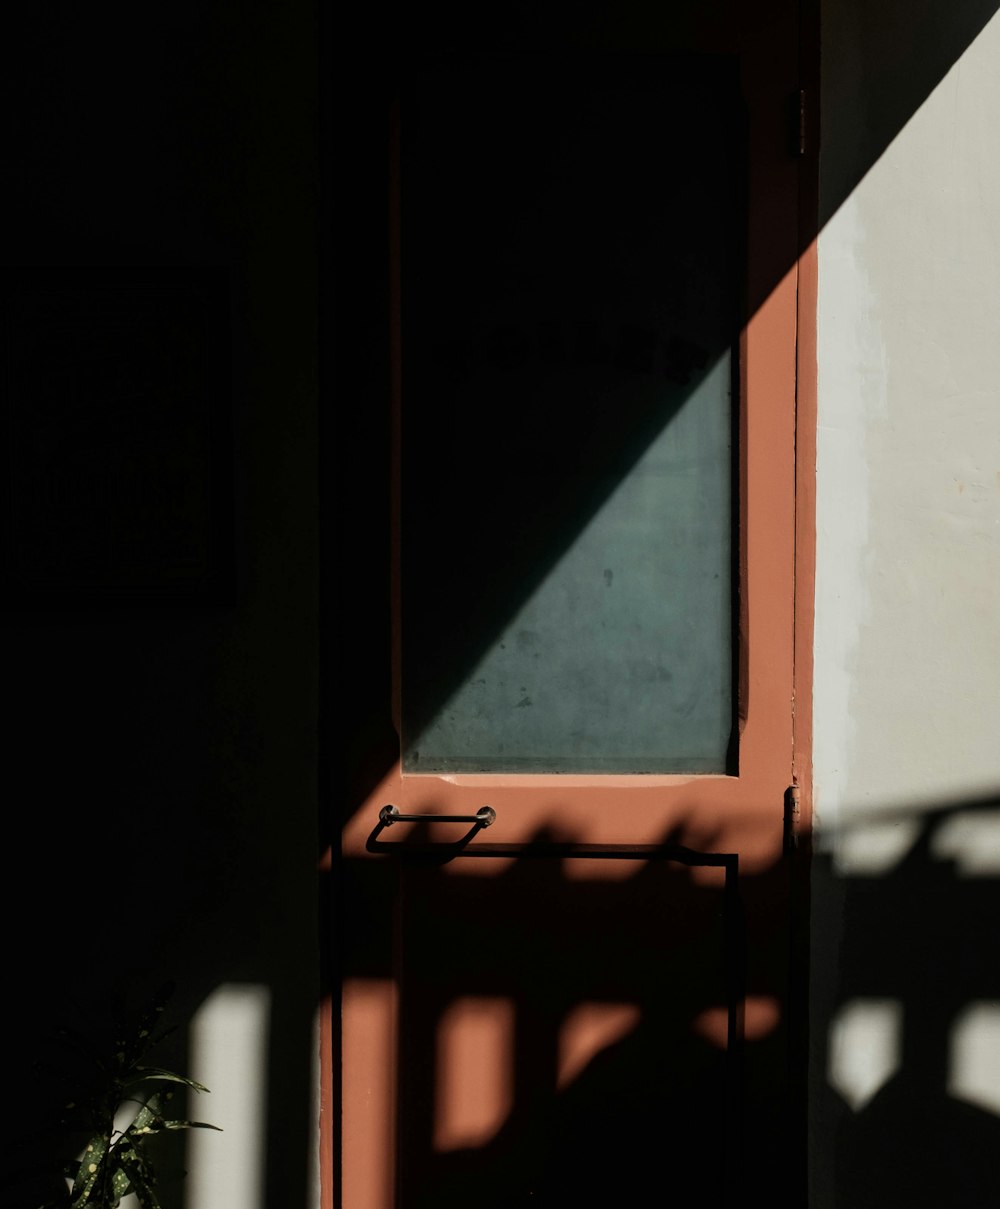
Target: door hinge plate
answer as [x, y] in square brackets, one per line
[798, 123]
[792, 818]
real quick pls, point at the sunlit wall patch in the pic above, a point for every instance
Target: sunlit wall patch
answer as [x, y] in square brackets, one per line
[864, 1048]
[974, 1057]
[971, 839]
[875, 847]
[229, 1041]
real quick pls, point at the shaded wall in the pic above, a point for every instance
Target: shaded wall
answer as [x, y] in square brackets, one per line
[160, 747]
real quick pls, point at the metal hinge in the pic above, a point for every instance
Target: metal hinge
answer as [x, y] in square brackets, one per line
[799, 129]
[792, 818]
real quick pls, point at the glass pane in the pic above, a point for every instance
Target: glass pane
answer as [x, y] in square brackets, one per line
[569, 296]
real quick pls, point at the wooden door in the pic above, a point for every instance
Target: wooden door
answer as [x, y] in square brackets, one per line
[563, 886]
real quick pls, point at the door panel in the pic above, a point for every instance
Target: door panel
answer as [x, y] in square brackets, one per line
[504, 485]
[585, 496]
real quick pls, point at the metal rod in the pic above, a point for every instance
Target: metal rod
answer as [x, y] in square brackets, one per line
[484, 816]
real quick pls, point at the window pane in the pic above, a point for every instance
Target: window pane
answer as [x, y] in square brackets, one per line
[569, 294]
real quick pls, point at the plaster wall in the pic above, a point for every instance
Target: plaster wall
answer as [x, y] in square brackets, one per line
[906, 692]
[908, 461]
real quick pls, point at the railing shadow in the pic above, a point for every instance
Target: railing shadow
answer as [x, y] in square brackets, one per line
[673, 1100]
[919, 937]
[543, 938]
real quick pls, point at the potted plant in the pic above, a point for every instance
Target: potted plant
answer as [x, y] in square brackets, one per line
[124, 1103]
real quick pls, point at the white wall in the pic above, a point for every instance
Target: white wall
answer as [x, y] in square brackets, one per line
[907, 694]
[907, 645]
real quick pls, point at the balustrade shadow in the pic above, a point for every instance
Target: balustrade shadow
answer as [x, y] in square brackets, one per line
[649, 945]
[922, 937]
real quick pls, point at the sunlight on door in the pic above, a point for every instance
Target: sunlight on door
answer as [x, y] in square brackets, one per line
[368, 1054]
[588, 1029]
[475, 1077]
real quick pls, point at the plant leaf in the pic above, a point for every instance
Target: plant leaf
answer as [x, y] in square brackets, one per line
[115, 1164]
[148, 1120]
[88, 1170]
[120, 1183]
[141, 1176]
[143, 1073]
[190, 1125]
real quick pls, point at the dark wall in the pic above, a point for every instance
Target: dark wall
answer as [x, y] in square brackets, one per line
[160, 740]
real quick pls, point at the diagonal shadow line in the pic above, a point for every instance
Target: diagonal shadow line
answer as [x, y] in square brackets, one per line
[573, 467]
[550, 456]
[897, 54]
[872, 67]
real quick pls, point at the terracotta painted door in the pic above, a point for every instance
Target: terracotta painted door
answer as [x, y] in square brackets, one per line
[568, 510]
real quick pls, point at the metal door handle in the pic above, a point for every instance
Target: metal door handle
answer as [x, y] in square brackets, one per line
[484, 816]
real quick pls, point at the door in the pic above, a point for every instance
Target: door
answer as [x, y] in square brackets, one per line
[568, 627]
